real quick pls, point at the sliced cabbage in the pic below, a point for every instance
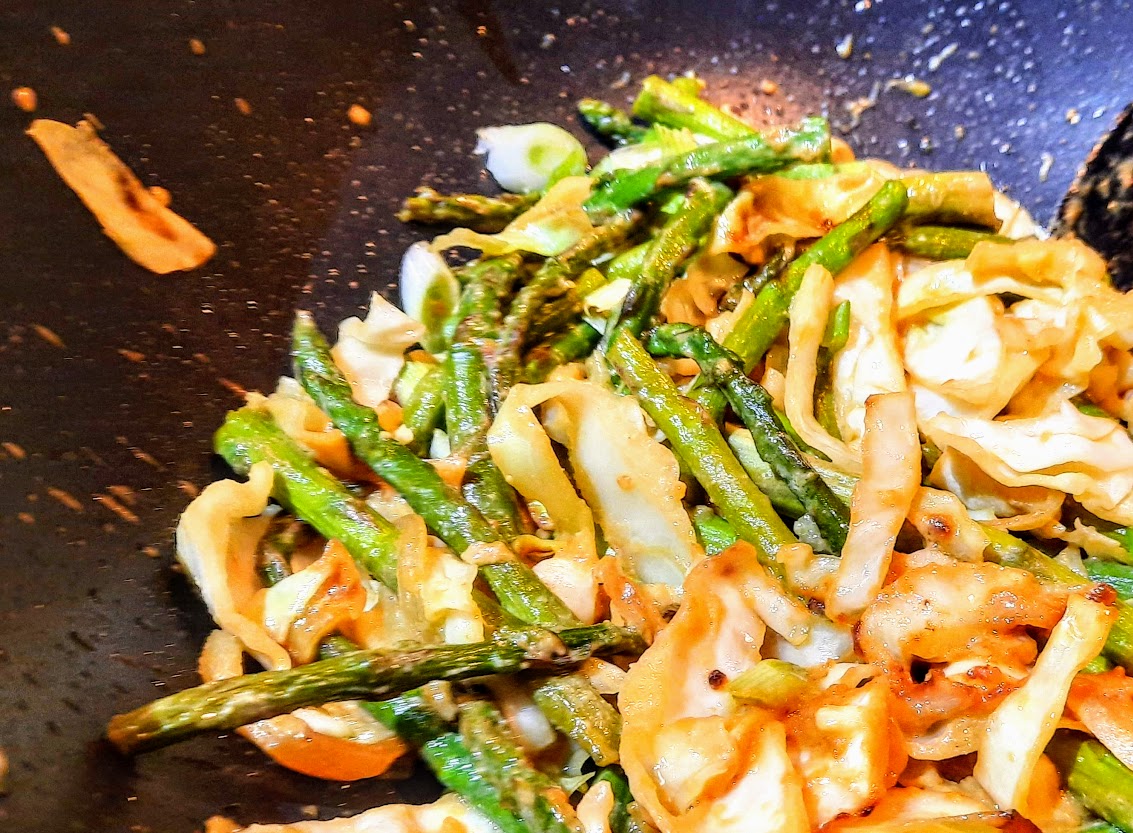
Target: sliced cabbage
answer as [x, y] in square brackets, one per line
[1024, 722]
[296, 413]
[1088, 457]
[944, 524]
[370, 353]
[217, 537]
[810, 309]
[530, 157]
[842, 744]
[143, 227]
[314, 602]
[597, 305]
[959, 353]
[989, 501]
[429, 292]
[595, 808]
[549, 227]
[694, 297]
[695, 759]
[891, 476]
[871, 360]
[626, 476]
[434, 587]
[785, 206]
[448, 814]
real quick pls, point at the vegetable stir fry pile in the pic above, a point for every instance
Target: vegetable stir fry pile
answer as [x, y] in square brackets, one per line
[734, 485]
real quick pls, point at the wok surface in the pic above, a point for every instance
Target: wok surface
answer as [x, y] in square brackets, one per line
[113, 379]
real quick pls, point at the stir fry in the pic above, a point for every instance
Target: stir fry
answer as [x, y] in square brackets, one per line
[734, 484]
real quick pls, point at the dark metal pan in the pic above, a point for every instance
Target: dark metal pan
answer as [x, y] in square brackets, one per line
[112, 379]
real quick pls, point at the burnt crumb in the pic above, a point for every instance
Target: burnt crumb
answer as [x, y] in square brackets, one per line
[717, 678]
[1102, 593]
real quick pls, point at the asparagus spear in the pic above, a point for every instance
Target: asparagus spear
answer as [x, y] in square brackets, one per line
[628, 264]
[762, 322]
[677, 239]
[665, 103]
[445, 511]
[772, 268]
[1118, 576]
[557, 316]
[422, 413]
[1009, 551]
[702, 448]
[942, 242]
[554, 279]
[469, 399]
[477, 212]
[446, 754]
[486, 284]
[751, 155]
[249, 436]
[574, 344]
[1099, 780]
[530, 794]
[368, 674]
[609, 122]
[756, 410]
[576, 709]
[713, 532]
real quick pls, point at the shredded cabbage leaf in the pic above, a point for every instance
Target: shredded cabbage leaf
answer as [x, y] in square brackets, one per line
[142, 226]
[1024, 722]
[549, 227]
[370, 353]
[1088, 457]
[216, 544]
[526, 158]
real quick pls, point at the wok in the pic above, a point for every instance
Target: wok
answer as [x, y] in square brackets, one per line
[113, 379]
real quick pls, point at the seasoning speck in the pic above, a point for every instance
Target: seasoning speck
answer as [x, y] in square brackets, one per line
[117, 508]
[845, 47]
[359, 115]
[61, 37]
[1073, 116]
[25, 98]
[548, 41]
[243, 106]
[909, 84]
[197, 46]
[768, 87]
[15, 451]
[26, 517]
[65, 498]
[943, 55]
[1046, 160]
[48, 335]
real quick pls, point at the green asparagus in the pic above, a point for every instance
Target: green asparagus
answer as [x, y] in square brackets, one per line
[703, 449]
[1118, 576]
[942, 242]
[628, 264]
[676, 240]
[474, 211]
[576, 343]
[609, 122]
[755, 409]
[249, 436]
[369, 674]
[422, 412]
[445, 511]
[762, 322]
[576, 709]
[666, 103]
[554, 279]
[754, 154]
[1099, 780]
[528, 793]
[713, 532]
